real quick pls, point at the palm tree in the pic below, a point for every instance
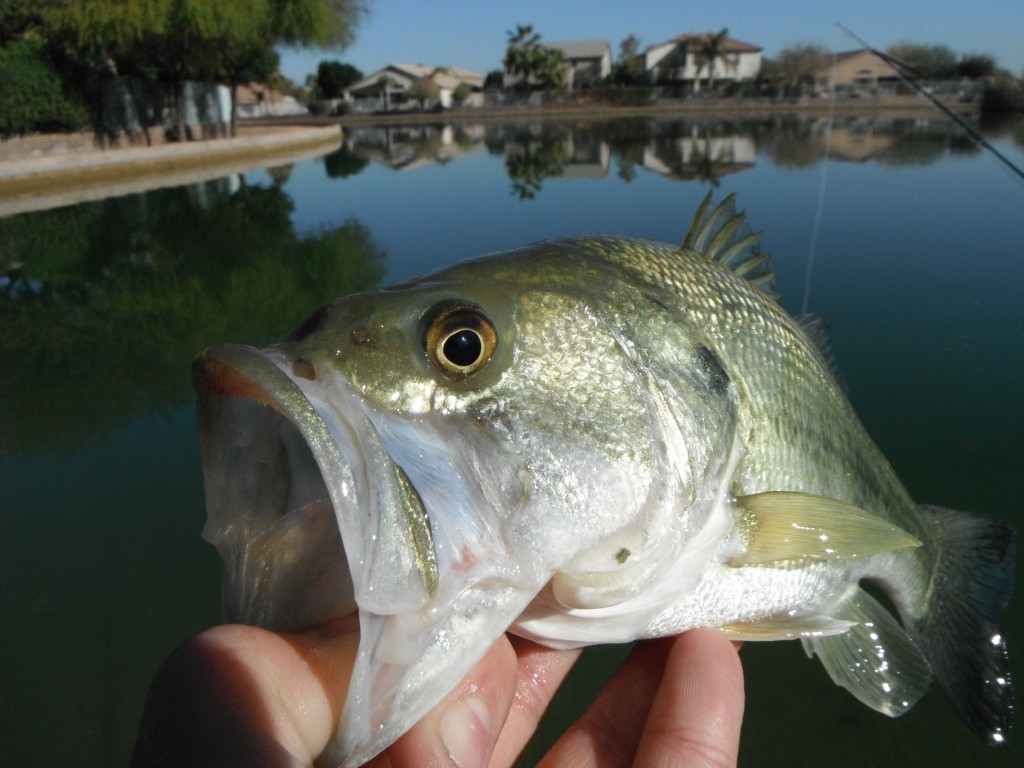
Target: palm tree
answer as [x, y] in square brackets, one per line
[712, 48]
[384, 83]
[521, 53]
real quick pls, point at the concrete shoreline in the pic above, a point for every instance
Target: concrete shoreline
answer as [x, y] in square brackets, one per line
[34, 183]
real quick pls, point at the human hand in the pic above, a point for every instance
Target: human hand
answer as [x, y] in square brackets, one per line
[238, 695]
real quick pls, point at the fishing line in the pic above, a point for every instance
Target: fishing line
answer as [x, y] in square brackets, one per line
[812, 250]
[911, 81]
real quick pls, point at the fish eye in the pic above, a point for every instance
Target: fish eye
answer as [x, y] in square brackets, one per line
[460, 339]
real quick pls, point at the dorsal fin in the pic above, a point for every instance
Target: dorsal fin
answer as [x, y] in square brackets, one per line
[722, 235]
[816, 329]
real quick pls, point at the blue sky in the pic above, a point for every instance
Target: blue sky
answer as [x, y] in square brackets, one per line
[473, 33]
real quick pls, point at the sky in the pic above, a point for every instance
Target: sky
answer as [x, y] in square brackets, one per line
[473, 33]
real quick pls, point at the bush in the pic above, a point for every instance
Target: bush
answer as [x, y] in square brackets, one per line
[1003, 93]
[34, 97]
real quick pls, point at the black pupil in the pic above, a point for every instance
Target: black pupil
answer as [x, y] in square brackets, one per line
[463, 348]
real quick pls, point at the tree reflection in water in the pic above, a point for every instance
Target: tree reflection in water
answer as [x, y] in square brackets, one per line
[118, 295]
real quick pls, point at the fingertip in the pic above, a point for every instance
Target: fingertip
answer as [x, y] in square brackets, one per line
[461, 731]
[697, 712]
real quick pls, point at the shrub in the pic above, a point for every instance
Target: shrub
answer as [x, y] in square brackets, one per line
[34, 96]
[1003, 93]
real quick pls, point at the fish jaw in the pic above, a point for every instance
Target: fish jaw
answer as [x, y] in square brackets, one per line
[315, 521]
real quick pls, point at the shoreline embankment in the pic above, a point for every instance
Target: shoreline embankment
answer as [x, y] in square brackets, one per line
[62, 169]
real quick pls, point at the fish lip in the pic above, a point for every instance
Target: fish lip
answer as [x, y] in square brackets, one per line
[243, 397]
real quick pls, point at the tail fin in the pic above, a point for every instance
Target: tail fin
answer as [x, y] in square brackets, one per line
[960, 633]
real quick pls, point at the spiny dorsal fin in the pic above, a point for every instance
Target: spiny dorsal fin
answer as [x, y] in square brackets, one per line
[816, 329]
[722, 235]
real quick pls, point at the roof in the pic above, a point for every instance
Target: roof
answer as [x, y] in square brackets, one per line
[446, 77]
[891, 62]
[729, 44]
[582, 49]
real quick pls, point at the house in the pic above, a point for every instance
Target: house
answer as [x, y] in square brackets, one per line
[414, 86]
[259, 100]
[680, 61]
[864, 70]
[586, 62]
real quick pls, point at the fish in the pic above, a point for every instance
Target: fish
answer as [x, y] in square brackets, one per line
[597, 439]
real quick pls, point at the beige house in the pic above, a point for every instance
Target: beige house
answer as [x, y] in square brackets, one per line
[859, 69]
[679, 61]
[394, 87]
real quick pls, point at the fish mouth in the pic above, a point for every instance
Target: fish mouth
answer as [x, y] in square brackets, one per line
[322, 508]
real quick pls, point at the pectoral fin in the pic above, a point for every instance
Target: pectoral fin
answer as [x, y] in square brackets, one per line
[780, 525]
[875, 660]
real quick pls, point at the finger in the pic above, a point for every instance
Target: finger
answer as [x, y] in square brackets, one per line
[540, 672]
[696, 714]
[238, 695]
[609, 731]
[462, 729]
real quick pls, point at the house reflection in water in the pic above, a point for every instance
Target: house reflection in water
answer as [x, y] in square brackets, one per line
[682, 149]
[700, 154]
[405, 147]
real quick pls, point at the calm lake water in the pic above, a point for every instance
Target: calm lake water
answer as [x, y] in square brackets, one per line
[900, 232]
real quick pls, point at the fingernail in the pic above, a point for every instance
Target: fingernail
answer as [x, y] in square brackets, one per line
[465, 733]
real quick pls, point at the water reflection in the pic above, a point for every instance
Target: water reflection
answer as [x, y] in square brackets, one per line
[404, 147]
[118, 295]
[681, 149]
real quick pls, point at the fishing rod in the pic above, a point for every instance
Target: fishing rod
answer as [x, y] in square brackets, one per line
[911, 81]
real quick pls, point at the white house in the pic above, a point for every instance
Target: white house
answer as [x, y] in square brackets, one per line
[392, 88]
[586, 62]
[679, 61]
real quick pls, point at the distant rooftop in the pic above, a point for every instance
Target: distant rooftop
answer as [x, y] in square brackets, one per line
[581, 49]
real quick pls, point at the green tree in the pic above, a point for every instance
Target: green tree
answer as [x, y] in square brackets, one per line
[461, 93]
[21, 17]
[629, 67]
[798, 64]
[423, 89]
[333, 77]
[531, 62]
[710, 50]
[176, 40]
[930, 62]
[493, 79]
[34, 97]
[976, 65]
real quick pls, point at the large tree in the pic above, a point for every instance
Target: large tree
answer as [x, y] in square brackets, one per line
[799, 64]
[177, 40]
[629, 67]
[333, 77]
[930, 62]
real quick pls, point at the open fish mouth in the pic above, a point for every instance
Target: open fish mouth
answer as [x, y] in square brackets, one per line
[315, 520]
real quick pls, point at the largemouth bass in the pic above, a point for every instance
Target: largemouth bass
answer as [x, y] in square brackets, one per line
[590, 440]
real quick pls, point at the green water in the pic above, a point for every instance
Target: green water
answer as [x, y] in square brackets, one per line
[902, 234]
